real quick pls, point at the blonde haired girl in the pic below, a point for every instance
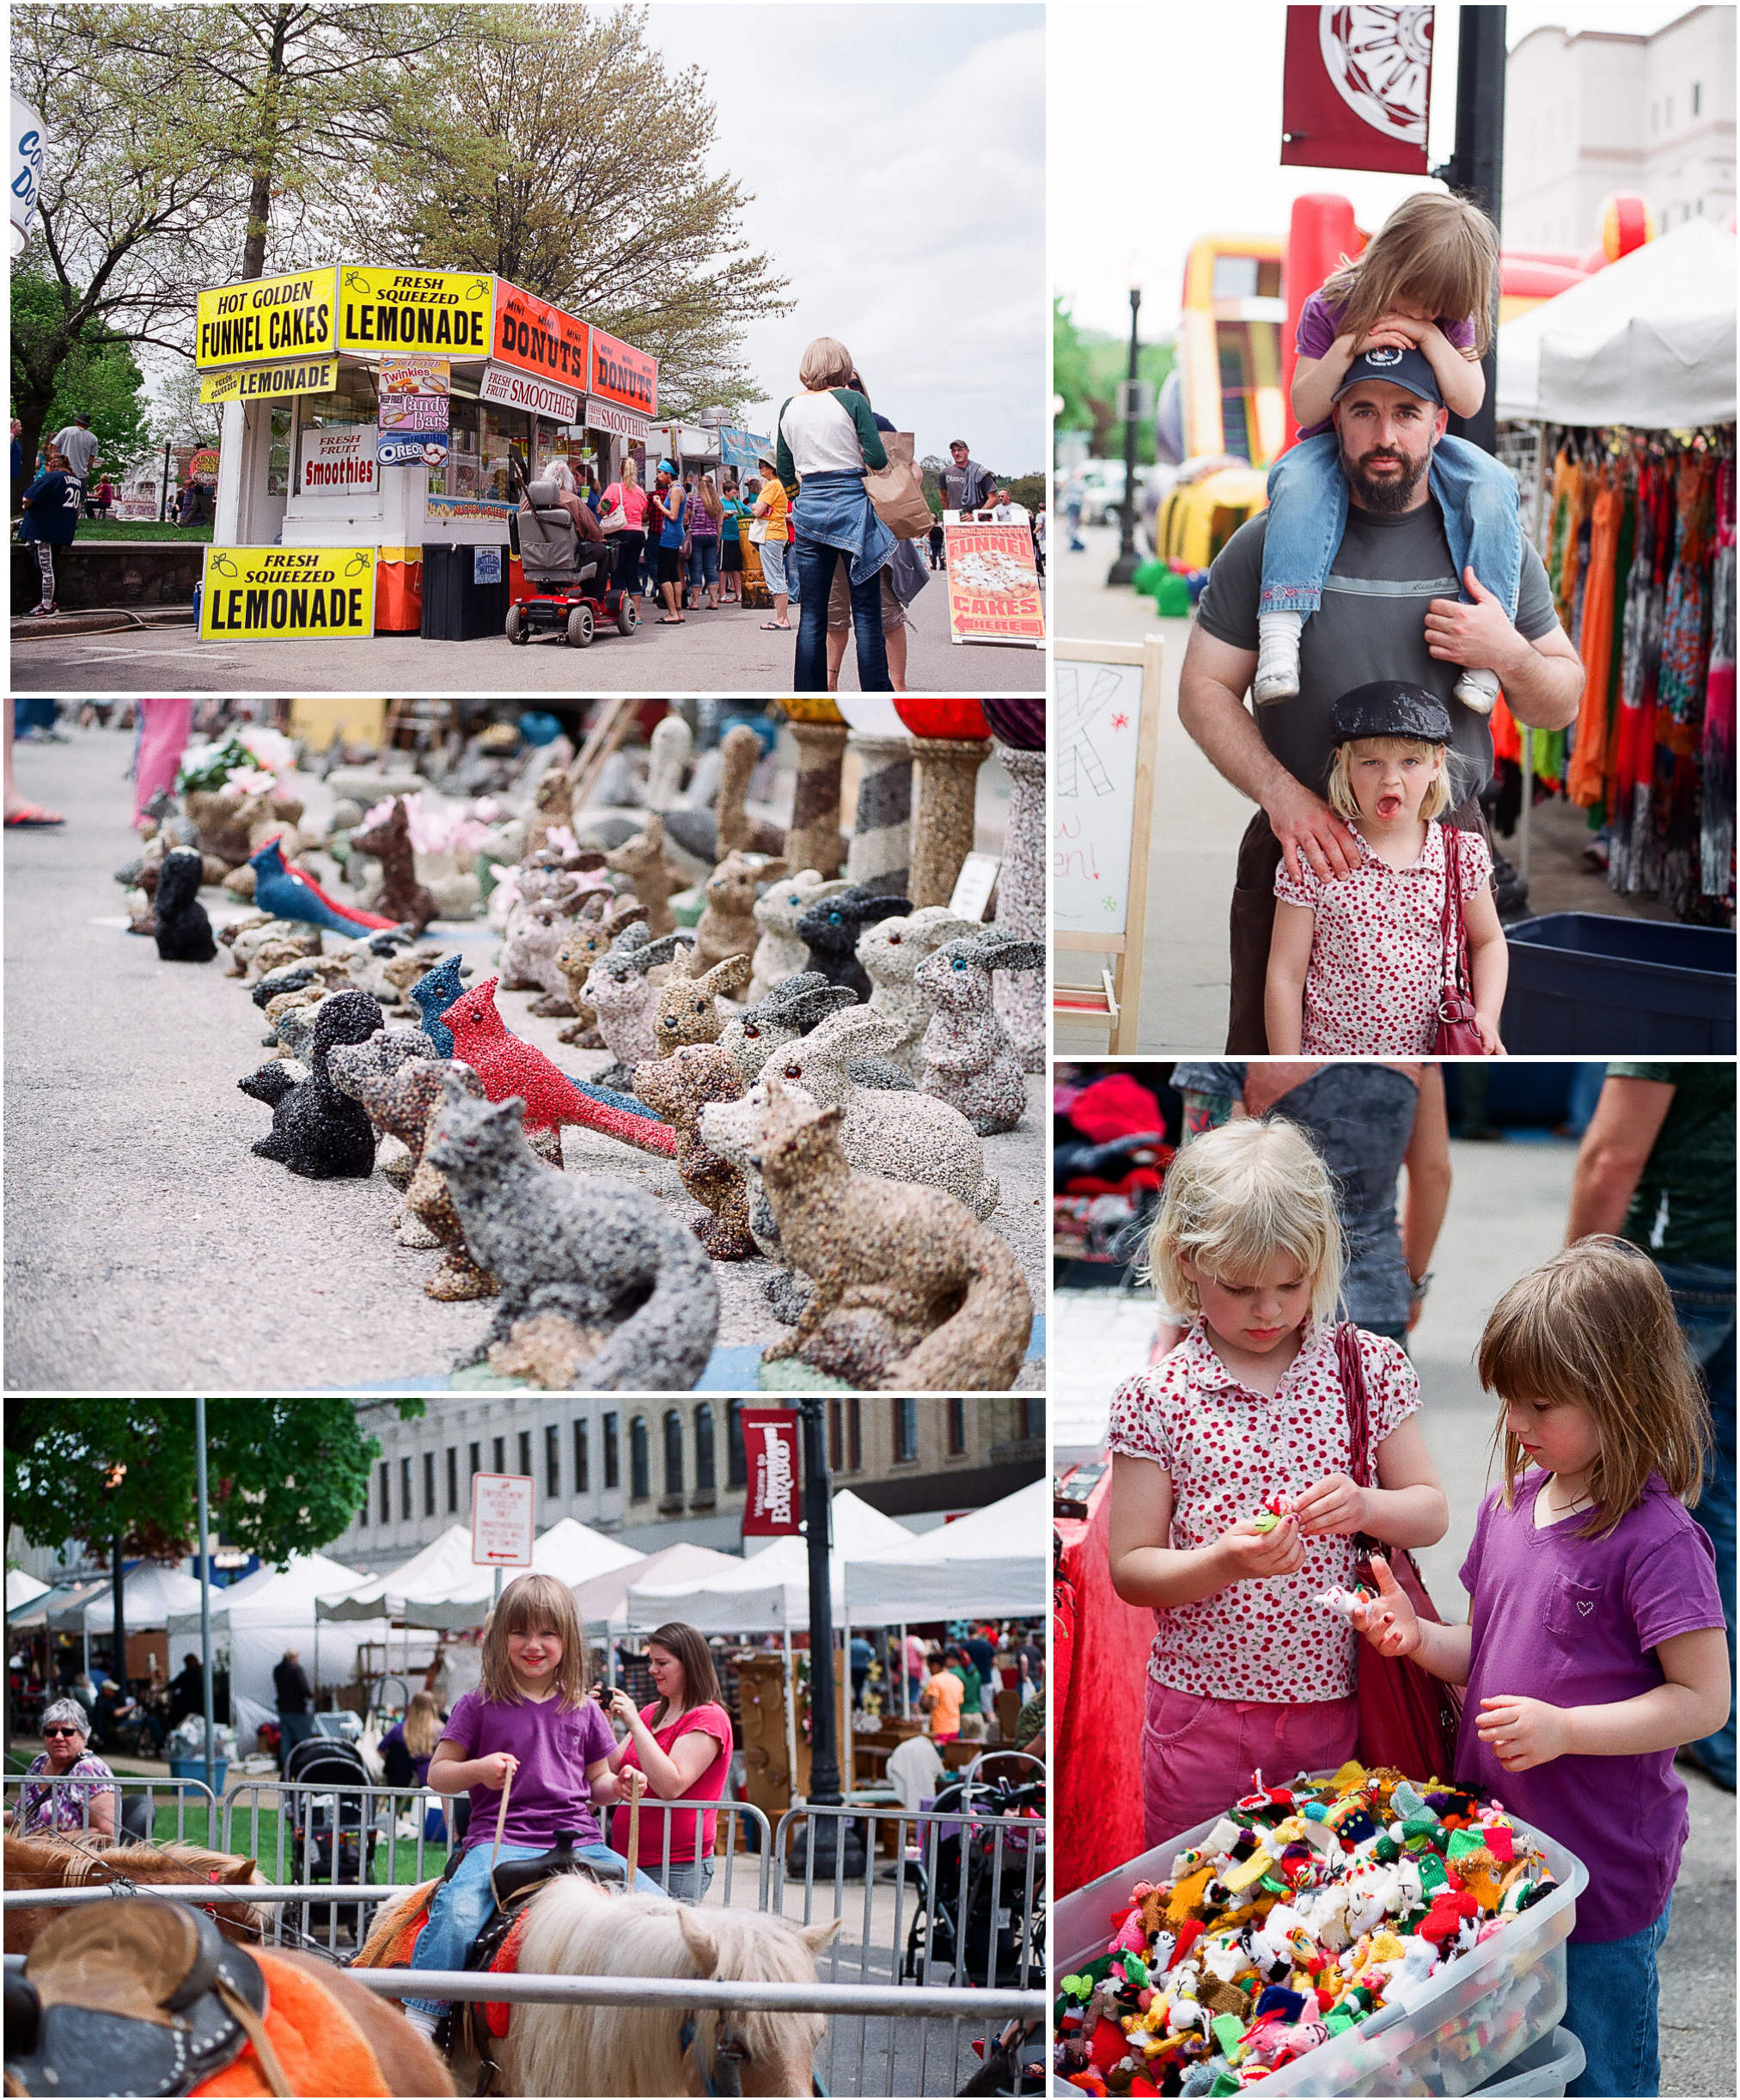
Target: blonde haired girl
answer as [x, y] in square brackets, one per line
[529, 1730]
[1244, 1418]
[1595, 1645]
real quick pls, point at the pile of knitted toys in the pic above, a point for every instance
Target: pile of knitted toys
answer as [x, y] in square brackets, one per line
[1305, 1910]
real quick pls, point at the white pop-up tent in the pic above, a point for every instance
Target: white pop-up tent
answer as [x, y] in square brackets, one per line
[443, 1587]
[996, 1562]
[275, 1608]
[21, 1590]
[602, 1600]
[437, 1567]
[1648, 342]
[152, 1593]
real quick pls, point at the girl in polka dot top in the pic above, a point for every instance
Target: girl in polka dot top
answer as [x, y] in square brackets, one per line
[1356, 963]
[1244, 1418]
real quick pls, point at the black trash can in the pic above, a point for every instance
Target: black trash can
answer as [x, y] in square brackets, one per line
[456, 607]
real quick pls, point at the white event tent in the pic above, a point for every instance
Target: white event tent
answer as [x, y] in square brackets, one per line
[436, 1568]
[273, 1609]
[21, 1590]
[996, 1562]
[1648, 342]
[443, 1587]
[152, 1593]
[602, 1600]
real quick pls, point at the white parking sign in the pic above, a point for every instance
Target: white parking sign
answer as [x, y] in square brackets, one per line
[501, 1520]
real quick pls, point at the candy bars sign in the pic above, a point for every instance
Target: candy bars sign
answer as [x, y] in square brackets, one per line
[770, 1451]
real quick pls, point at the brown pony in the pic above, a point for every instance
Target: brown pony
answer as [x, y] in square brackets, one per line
[73, 1861]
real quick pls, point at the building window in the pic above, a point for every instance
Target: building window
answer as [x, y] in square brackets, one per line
[705, 1481]
[1667, 113]
[362, 1507]
[736, 1459]
[854, 1434]
[1032, 1415]
[673, 1452]
[526, 1454]
[452, 1479]
[957, 1428]
[386, 1493]
[499, 1449]
[405, 1490]
[429, 1483]
[552, 1459]
[612, 1469]
[834, 1452]
[583, 1461]
[906, 1431]
[1697, 98]
[640, 1484]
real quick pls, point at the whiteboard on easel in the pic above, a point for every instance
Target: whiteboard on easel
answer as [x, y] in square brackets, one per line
[1096, 740]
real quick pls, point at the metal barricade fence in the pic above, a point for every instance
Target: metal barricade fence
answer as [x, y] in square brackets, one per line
[134, 1810]
[963, 1904]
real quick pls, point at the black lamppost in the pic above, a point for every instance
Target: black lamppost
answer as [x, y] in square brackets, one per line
[1476, 167]
[824, 1749]
[1124, 568]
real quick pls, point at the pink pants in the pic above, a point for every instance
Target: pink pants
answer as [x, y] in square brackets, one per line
[1199, 1755]
[164, 728]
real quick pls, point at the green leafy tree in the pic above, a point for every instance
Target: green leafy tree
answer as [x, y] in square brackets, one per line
[98, 374]
[1088, 366]
[284, 1476]
[569, 159]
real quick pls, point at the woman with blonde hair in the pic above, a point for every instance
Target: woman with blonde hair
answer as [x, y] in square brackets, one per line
[828, 443]
[408, 1745]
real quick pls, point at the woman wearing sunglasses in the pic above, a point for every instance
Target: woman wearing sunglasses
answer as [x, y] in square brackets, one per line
[65, 1734]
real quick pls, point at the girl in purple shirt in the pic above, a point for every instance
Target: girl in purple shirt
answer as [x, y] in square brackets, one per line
[1591, 1585]
[529, 1720]
[1425, 283]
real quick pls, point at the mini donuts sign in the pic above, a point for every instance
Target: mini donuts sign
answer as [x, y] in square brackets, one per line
[770, 1451]
[622, 374]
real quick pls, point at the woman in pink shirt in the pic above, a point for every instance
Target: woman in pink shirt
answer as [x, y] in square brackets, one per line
[682, 1742]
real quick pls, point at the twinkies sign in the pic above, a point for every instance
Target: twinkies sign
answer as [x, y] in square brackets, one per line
[274, 594]
[770, 1450]
[273, 316]
[340, 463]
[622, 374]
[536, 337]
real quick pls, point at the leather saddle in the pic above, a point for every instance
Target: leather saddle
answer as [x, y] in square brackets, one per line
[134, 1996]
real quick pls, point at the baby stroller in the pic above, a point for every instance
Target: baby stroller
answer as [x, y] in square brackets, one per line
[333, 1835]
[966, 1939]
[567, 581]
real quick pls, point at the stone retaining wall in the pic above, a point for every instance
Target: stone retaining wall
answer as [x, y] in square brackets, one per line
[106, 572]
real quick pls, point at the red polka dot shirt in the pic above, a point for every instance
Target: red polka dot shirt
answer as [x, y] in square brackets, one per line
[1228, 1450]
[1376, 970]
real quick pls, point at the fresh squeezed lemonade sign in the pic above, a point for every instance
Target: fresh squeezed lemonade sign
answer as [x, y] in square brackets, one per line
[415, 309]
[242, 324]
[276, 594]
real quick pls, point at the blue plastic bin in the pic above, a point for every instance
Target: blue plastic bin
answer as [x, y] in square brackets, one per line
[1584, 984]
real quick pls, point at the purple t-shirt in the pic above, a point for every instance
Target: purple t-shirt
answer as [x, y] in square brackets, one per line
[1320, 323]
[550, 1791]
[1575, 1621]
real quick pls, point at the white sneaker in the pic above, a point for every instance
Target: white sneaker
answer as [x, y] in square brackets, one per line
[422, 2021]
[1277, 657]
[1477, 690]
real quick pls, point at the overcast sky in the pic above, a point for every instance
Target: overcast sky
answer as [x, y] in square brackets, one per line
[1189, 144]
[897, 157]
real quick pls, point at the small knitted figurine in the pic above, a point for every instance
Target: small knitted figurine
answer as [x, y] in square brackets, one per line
[288, 893]
[432, 994]
[317, 1131]
[183, 930]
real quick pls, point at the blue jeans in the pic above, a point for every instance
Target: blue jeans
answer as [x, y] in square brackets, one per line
[690, 1879]
[1613, 1986]
[814, 564]
[704, 563]
[292, 1729]
[1704, 1305]
[1308, 514]
[462, 1906]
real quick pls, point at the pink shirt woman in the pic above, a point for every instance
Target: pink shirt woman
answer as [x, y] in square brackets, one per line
[682, 1742]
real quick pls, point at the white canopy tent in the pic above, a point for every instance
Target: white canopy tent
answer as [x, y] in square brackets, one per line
[21, 1590]
[602, 1600]
[1648, 341]
[152, 1593]
[275, 1608]
[997, 1562]
[437, 1567]
[443, 1587]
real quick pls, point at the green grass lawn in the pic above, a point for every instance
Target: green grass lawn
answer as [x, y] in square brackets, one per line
[137, 528]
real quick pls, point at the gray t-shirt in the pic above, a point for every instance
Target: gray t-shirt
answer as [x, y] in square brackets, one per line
[1372, 625]
[80, 446]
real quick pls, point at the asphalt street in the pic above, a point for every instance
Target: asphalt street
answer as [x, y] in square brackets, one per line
[725, 651]
[1199, 819]
[147, 1248]
[1507, 1212]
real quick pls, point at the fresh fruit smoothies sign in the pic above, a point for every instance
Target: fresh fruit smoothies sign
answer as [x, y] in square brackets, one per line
[278, 593]
[445, 310]
[273, 317]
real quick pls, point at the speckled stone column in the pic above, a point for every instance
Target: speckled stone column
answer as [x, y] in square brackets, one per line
[813, 841]
[880, 855]
[1020, 994]
[946, 792]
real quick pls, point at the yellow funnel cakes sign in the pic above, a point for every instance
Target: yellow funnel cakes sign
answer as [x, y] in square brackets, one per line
[277, 594]
[271, 382]
[272, 317]
[446, 310]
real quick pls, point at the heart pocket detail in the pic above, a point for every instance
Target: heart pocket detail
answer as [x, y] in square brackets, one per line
[1583, 1608]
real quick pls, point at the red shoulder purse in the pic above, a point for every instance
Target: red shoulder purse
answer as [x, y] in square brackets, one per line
[1457, 1034]
[1407, 1718]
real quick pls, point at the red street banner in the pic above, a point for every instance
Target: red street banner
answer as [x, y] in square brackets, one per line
[1355, 88]
[622, 374]
[770, 1449]
[536, 337]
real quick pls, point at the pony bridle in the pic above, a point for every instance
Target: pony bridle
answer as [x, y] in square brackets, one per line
[723, 2078]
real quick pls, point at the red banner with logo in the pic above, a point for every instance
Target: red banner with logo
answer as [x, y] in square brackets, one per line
[622, 374]
[770, 1451]
[534, 336]
[1355, 88]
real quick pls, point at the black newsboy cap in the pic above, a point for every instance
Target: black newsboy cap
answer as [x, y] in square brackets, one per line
[1390, 707]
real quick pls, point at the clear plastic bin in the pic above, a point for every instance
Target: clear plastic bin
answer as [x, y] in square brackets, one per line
[1477, 2017]
[1540, 2073]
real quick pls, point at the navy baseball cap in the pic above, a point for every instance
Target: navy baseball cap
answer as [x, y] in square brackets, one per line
[1402, 368]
